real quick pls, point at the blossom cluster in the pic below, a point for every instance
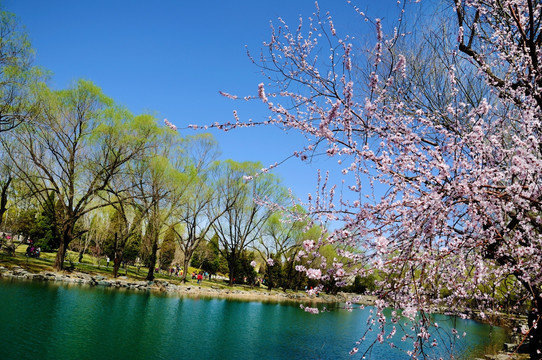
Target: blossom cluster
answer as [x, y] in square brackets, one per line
[170, 125]
[440, 180]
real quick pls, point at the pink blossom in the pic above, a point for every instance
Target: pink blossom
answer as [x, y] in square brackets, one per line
[400, 67]
[314, 274]
[381, 244]
[339, 274]
[261, 92]
[233, 97]
[308, 245]
[312, 310]
[170, 125]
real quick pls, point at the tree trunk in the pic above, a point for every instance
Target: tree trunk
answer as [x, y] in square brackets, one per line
[231, 275]
[152, 260]
[67, 237]
[186, 263]
[4, 198]
[116, 265]
[61, 253]
[231, 259]
[60, 256]
[269, 280]
[84, 250]
[535, 336]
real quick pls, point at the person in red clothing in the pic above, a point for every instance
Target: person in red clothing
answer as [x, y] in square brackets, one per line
[200, 277]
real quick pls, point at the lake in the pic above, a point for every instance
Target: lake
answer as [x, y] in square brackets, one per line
[40, 320]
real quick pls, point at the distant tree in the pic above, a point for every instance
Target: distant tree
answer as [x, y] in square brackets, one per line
[362, 285]
[82, 244]
[193, 210]
[25, 223]
[98, 232]
[273, 272]
[46, 234]
[124, 233]
[126, 195]
[132, 248]
[167, 249]
[207, 257]
[241, 225]
[160, 182]
[244, 271]
[281, 240]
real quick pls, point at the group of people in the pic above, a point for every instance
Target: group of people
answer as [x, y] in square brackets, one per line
[176, 270]
[32, 251]
[200, 276]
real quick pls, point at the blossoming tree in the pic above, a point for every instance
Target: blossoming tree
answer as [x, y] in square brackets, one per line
[442, 198]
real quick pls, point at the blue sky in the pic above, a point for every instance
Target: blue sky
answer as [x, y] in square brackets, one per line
[171, 58]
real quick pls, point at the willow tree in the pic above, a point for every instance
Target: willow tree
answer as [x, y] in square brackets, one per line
[72, 148]
[194, 214]
[124, 195]
[246, 211]
[125, 229]
[17, 103]
[282, 238]
[159, 180]
[17, 75]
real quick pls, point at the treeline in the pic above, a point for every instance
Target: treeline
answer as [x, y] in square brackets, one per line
[79, 171]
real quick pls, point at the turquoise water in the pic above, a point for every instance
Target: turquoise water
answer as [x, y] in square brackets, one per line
[41, 320]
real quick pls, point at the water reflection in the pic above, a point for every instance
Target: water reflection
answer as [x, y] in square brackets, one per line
[53, 321]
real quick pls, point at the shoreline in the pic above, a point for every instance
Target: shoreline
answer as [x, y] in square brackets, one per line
[212, 290]
[163, 286]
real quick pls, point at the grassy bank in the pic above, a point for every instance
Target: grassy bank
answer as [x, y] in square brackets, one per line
[93, 266]
[98, 267]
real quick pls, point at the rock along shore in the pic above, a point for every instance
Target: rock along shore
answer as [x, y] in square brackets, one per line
[164, 286]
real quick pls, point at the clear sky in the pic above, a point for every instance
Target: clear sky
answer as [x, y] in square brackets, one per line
[171, 57]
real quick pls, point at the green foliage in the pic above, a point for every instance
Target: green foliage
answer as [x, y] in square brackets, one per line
[362, 285]
[40, 226]
[45, 234]
[207, 257]
[131, 250]
[244, 272]
[273, 274]
[110, 245]
[26, 223]
[167, 250]
[111, 242]
[17, 76]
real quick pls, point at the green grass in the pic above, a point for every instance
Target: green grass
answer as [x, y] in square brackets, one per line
[98, 267]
